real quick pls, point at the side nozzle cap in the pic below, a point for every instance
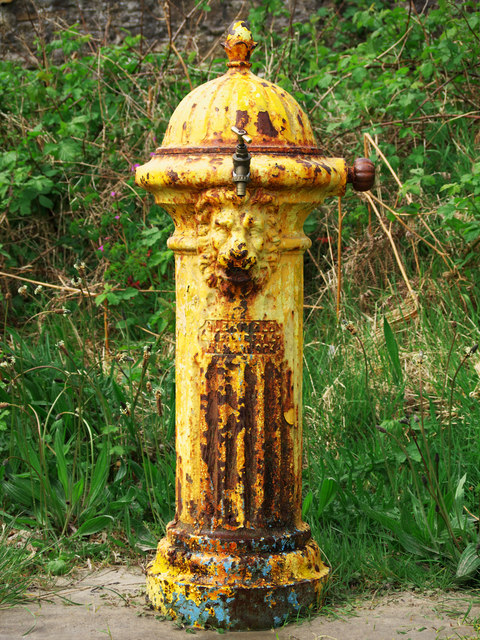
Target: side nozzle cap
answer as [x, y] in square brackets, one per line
[362, 174]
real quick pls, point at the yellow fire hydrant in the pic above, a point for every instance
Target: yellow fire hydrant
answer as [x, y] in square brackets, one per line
[239, 172]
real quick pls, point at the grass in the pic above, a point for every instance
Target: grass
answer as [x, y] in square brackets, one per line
[16, 564]
[391, 412]
[87, 440]
[381, 443]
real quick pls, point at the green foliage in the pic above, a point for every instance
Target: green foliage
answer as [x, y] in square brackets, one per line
[73, 132]
[323, 497]
[87, 448]
[404, 467]
[405, 77]
[461, 212]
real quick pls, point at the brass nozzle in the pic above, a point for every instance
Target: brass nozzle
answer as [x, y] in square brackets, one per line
[241, 162]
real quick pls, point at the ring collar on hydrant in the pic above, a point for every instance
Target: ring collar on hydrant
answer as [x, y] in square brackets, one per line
[237, 554]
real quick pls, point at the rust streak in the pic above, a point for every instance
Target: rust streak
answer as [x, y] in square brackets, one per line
[264, 125]
[247, 418]
[173, 175]
[179, 500]
[271, 453]
[275, 149]
[210, 450]
[287, 506]
[242, 119]
[231, 473]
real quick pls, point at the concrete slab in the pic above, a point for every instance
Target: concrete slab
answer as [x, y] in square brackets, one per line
[109, 604]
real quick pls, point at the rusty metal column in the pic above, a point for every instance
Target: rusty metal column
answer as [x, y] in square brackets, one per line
[237, 555]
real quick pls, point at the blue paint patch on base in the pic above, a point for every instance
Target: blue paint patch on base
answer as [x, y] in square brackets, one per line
[215, 612]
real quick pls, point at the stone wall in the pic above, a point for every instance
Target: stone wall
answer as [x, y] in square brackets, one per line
[22, 21]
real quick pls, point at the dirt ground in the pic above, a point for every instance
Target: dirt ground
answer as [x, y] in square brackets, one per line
[110, 604]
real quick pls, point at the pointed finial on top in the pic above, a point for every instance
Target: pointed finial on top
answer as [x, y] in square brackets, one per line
[239, 44]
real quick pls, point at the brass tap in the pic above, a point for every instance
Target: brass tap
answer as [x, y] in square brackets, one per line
[241, 162]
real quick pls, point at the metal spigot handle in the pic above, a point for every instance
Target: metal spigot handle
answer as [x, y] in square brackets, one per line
[241, 162]
[243, 137]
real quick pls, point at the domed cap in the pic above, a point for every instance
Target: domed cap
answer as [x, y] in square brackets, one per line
[197, 151]
[273, 119]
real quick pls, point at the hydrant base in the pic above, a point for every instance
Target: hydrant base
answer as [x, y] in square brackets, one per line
[229, 591]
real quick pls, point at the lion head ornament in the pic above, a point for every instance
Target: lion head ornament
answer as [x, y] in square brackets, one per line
[237, 240]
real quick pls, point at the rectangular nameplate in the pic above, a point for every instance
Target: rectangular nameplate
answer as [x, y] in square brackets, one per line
[260, 337]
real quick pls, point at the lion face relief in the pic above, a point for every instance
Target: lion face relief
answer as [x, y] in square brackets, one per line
[237, 240]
